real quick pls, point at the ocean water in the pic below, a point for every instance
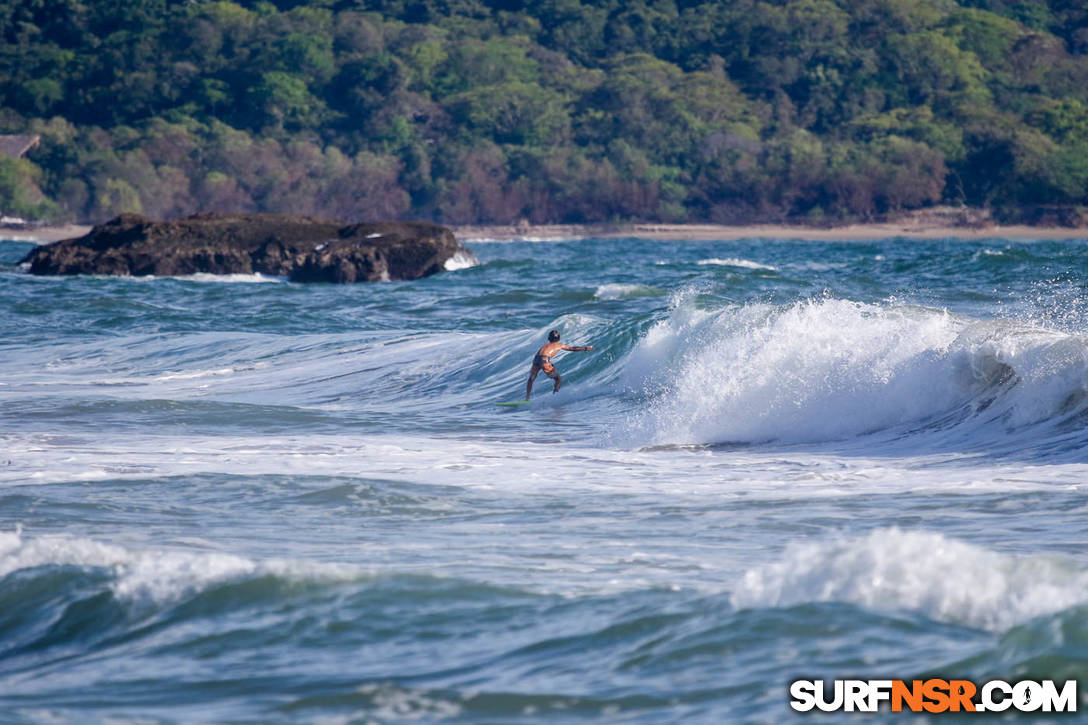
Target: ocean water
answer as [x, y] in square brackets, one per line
[243, 500]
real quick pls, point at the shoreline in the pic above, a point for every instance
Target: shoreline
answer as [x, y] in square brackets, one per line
[677, 232]
[721, 232]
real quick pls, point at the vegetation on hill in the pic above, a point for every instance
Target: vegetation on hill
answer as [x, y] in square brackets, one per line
[492, 111]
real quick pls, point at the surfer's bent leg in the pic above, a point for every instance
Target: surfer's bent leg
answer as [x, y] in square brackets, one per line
[529, 385]
[554, 375]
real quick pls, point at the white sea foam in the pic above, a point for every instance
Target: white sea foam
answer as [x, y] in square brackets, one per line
[813, 266]
[254, 278]
[833, 369]
[194, 374]
[461, 260]
[37, 459]
[624, 291]
[737, 262]
[155, 575]
[390, 702]
[945, 579]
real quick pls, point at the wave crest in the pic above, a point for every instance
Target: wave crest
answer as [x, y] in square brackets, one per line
[944, 579]
[155, 576]
[835, 369]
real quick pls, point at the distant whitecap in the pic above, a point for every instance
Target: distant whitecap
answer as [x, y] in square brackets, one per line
[737, 262]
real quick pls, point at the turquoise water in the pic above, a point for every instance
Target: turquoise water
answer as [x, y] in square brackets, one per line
[243, 500]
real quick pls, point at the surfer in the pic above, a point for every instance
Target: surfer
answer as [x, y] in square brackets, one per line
[543, 361]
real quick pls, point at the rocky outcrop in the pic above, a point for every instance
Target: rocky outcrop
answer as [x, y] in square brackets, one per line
[303, 249]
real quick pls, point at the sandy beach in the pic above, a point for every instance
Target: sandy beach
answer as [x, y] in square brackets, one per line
[908, 229]
[707, 232]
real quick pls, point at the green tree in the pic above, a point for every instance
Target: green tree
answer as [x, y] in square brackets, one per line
[513, 112]
[282, 100]
[20, 195]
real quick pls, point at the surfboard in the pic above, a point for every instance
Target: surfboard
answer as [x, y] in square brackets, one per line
[516, 402]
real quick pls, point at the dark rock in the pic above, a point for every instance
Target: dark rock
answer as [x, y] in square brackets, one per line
[302, 249]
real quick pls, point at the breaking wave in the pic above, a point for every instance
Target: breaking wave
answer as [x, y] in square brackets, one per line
[154, 576]
[825, 370]
[942, 578]
[814, 371]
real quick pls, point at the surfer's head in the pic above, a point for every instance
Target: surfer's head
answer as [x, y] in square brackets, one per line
[553, 336]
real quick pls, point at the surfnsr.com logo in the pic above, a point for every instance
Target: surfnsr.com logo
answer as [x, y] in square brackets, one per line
[933, 695]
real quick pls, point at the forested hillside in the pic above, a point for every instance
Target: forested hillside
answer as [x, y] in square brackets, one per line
[552, 111]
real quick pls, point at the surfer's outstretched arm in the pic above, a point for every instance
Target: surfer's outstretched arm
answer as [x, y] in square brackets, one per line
[578, 348]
